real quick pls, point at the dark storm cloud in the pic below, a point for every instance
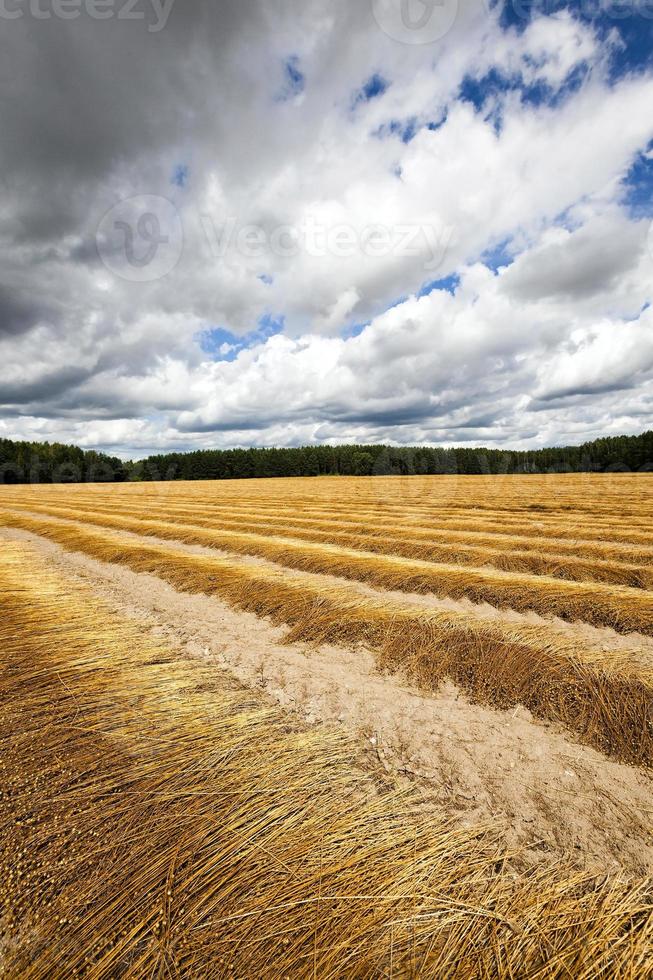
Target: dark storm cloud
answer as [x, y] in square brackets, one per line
[380, 417]
[85, 252]
[398, 414]
[478, 422]
[18, 313]
[578, 265]
[577, 393]
[43, 390]
[84, 94]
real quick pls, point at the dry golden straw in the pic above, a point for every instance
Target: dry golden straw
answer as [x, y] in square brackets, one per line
[619, 607]
[605, 696]
[509, 554]
[158, 821]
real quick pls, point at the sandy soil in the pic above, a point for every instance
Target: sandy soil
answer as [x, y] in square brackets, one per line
[553, 796]
[601, 638]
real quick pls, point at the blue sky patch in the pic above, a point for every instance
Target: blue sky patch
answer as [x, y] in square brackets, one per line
[636, 33]
[492, 87]
[633, 19]
[498, 256]
[222, 345]
[405, 129]
[435, 124]
[638, 186]
[374, 87]
[180, 175]
[294, 79]
[449, 283]
[479, 90]
[354, 330]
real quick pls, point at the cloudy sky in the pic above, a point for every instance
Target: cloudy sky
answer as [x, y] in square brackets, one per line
[278, 222]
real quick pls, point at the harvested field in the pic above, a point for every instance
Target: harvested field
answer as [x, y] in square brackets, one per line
[223, 824]
[624, 609]
[605, 697]
[172, 824]
[170, 522]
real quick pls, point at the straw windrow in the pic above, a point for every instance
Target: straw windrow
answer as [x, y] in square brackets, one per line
[621, 608]
[158, 821]
[440, 549]
[606, 697]
[389, 508]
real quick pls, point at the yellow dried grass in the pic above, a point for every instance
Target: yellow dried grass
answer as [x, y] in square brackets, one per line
[157, 821]
[605, 696]
[622, 608]
[573, 535]
[439, 548]
[599, 504]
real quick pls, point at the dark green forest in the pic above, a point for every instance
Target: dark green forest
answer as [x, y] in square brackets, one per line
[620, 453]
[52, 462]
[33, 462]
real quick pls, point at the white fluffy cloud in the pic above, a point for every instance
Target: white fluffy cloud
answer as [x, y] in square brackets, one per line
[303, 202]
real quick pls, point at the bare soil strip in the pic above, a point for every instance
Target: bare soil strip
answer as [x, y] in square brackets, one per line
[551, 796]
[599, 532]
[622, 608]
[160, 821]
[537, 562]
[626, 649]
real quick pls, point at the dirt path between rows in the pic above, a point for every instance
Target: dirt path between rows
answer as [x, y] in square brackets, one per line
[597, 637]
[553, 795]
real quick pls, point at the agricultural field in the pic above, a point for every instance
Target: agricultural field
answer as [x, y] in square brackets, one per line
[328, 727]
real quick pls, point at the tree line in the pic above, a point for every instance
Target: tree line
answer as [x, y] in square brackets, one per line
[616, 453]
[53, 462]
[34, 462]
